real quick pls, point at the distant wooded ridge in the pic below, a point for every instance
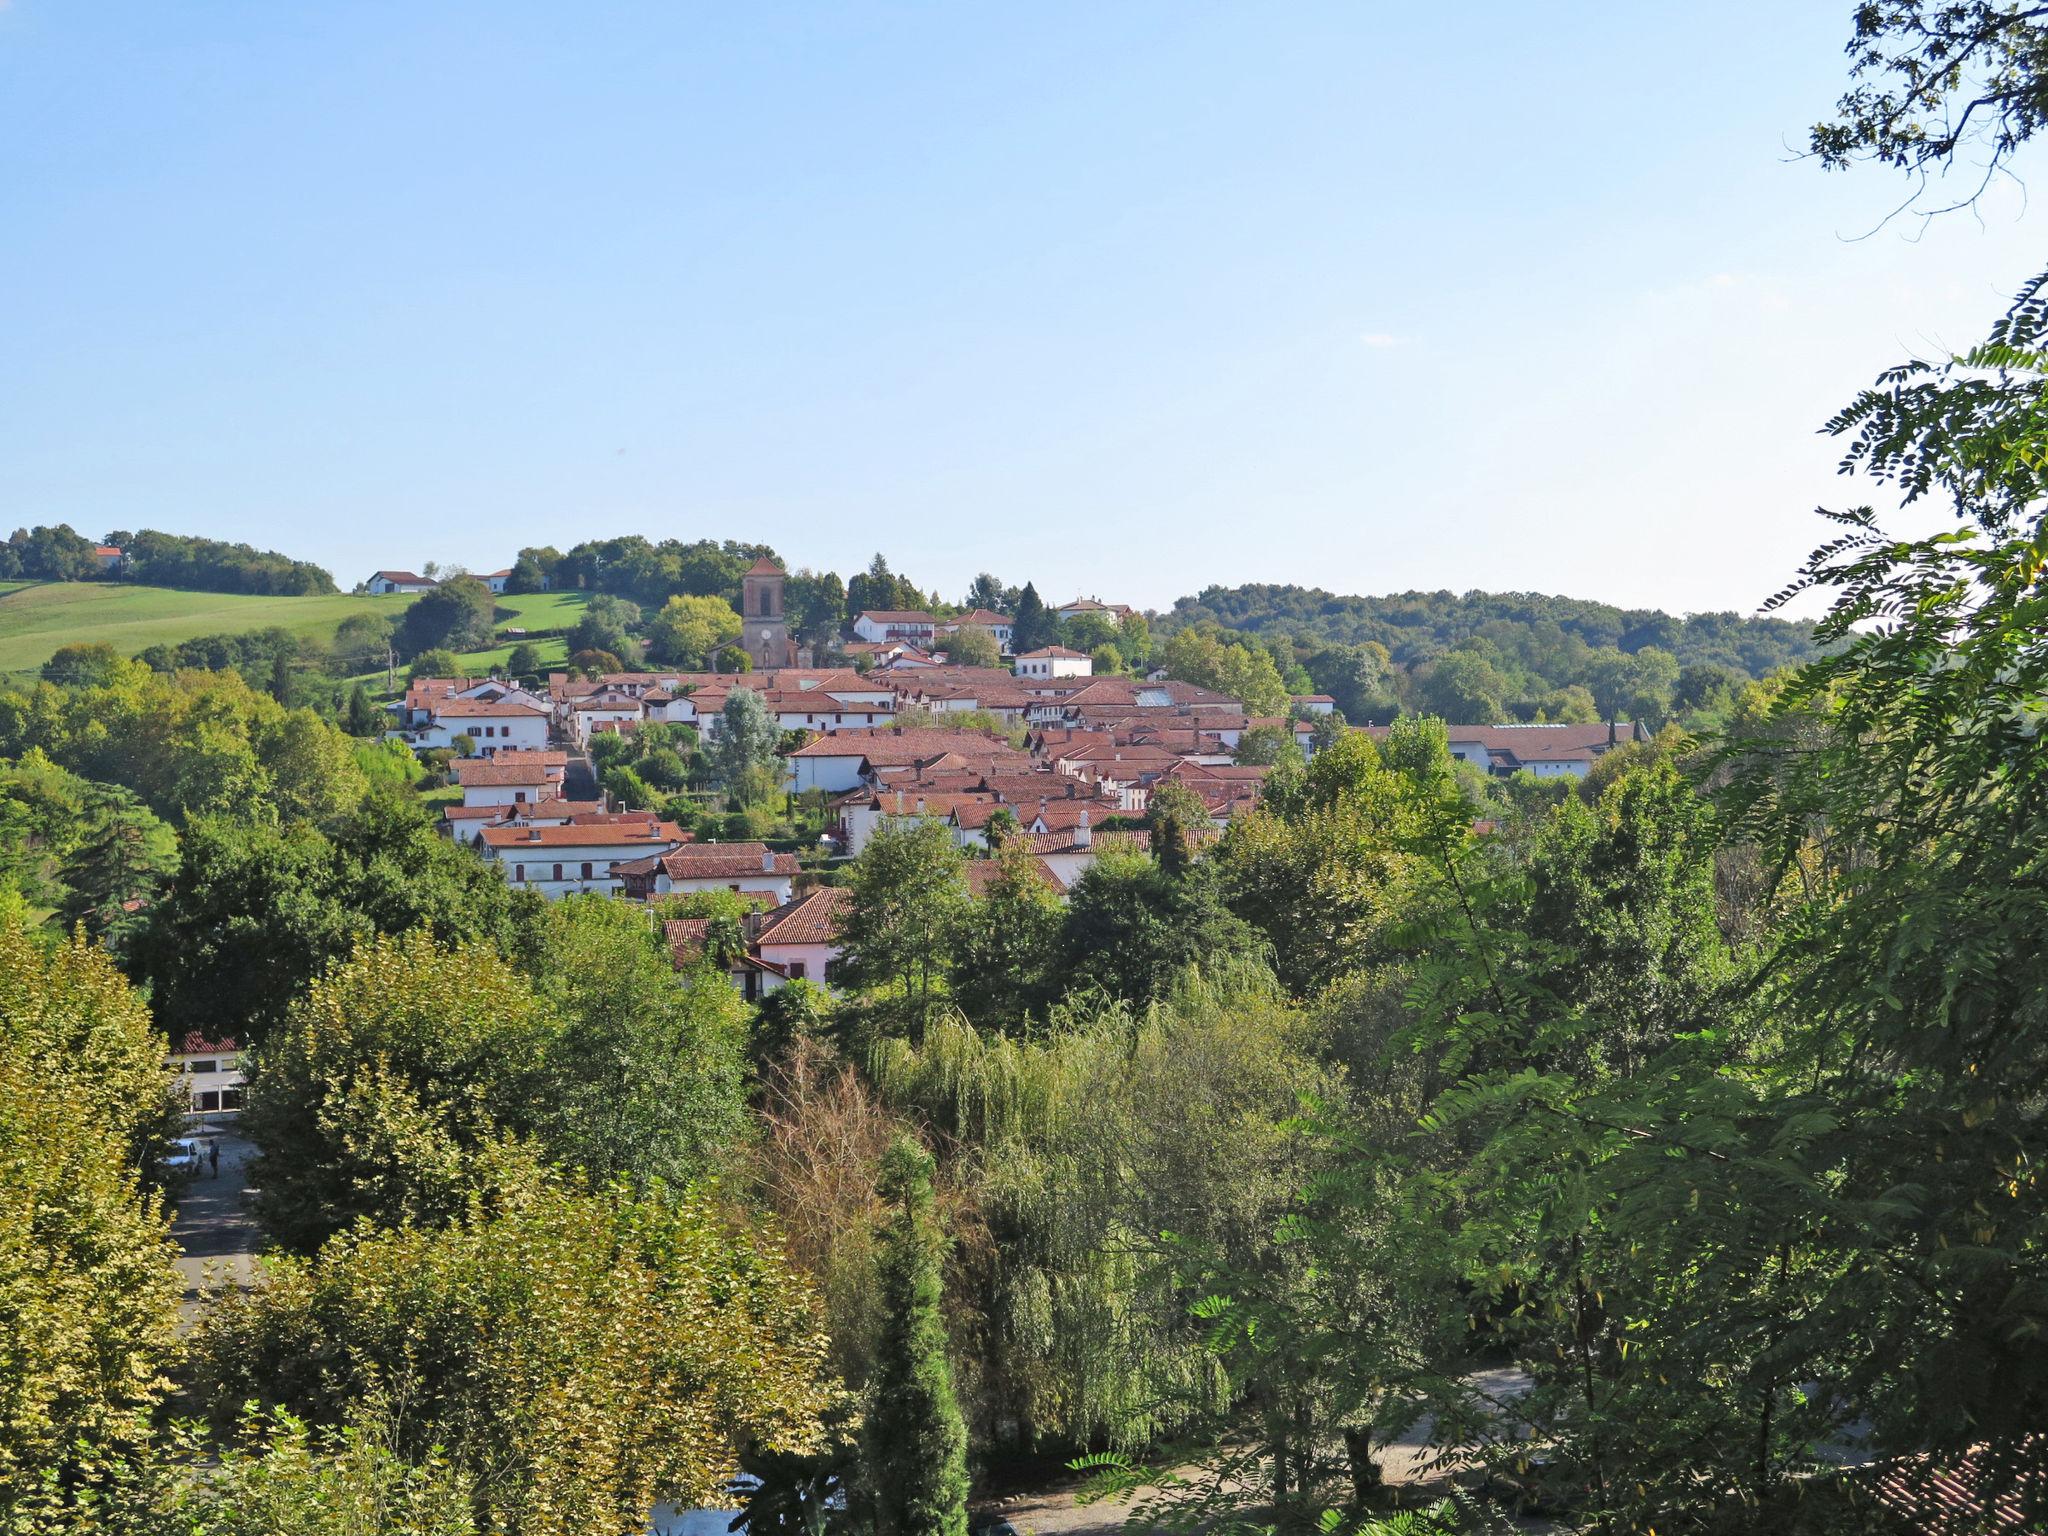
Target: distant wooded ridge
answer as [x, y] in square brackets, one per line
[1415, 626]
[150, 558]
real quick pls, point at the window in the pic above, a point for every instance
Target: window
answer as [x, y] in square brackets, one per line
[208, 1101]
[586, 869]
[796, 970]
[518, 871]
[558, 871]
[231, 1098]
[204, 1066]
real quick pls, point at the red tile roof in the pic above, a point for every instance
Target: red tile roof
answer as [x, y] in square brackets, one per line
[812, 918]
[723, 861]
[469, 709]
[479, 773]
[609, 834]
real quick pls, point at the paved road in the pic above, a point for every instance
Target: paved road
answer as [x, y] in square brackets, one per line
[216, 1235]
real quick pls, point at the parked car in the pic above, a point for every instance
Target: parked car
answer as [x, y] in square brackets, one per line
[185, 1155]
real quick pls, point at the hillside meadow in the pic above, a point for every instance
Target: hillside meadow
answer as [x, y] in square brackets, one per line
[38, 617]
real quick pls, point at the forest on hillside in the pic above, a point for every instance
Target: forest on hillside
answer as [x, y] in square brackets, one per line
[1415, 626]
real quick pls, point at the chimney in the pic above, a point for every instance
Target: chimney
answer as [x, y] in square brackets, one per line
[1083, 838]
[767, 861]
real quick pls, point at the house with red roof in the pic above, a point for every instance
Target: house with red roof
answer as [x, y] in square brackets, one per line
[578, 855]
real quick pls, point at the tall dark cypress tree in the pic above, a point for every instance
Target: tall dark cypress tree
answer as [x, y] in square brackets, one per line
[915, 1443]
[1030, 626]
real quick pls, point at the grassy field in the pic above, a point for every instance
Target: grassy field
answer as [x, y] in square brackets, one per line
[541, 610]
[36, 618]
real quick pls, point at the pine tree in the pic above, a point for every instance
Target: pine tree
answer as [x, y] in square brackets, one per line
[362, 718]
[915, 1443]
[1031, 626]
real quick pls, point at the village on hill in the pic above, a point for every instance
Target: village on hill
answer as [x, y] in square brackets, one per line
[894, 732]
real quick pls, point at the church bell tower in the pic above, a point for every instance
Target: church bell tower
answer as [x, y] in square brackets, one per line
[764, 633]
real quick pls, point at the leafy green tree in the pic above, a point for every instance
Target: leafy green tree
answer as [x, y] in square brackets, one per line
[577, 1358]
[814, 604]
[525, 661]
[257, 912]
[389, 1090]
[278, 1476]
[361, 643]
[89, 1300]
[1265, 745]
[914, 1448]
[1324, 875]
[1133, 925]
[531, 571]
[458, 615]
[1464, 687]
[906, 894]
[436, 661]
[688, 631]
[86, 665]
[603, 625]
[969, 647]
[1003, 943]
[744, 753]
[987, 592]
[641, 1079]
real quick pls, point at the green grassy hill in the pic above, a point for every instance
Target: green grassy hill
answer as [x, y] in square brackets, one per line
[36, 618]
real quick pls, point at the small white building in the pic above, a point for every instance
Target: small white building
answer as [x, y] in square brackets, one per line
[496, 784]
[496, 580]
[561, 860]
[384, 583]
[883, 624]
[1054, 661]
[493, 725]
[210, 1072]
[1116, 613]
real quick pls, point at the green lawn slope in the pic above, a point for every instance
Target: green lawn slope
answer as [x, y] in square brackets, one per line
[37, 618]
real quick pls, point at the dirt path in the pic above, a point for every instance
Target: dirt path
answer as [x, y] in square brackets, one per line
[217, 1237]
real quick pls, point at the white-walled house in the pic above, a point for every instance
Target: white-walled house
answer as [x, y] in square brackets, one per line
[496, 580]
[384, 583]
[1055, 661]
[493, 725]
[584, 715]
[880, 624]
[210, 1072]
[800, 939]
[1547, 751]
[749, 868]
[489, 783]
[559, 860]
[1116, 613]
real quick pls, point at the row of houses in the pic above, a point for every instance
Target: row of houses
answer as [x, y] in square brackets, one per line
[386, 583]
[884, 626]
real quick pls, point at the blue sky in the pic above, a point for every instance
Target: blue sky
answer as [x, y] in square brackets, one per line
[1126, 299]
